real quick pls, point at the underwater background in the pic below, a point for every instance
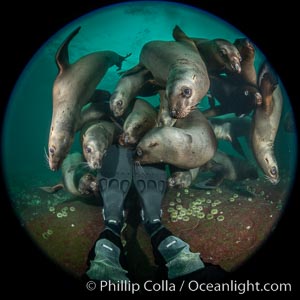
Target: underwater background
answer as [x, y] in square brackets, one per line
[30, 105]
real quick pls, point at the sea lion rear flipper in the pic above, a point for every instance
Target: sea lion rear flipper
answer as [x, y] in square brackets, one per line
[237, 147]
[52, 189]
[122, 58]
[62, 54]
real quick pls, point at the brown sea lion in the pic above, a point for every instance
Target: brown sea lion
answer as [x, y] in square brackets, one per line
[228, 167]
[128, 88]
[187, 145]
[95, 140]
[265, 123]
[248, 73]
[230, 129]
[72, 89]
[182, 179]
[164, 118]
[219, 55]
[177, 66]
[76, 178]
[240, 99]
[142, 118]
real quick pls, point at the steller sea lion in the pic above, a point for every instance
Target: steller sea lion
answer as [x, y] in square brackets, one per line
[177, 66]
[141, 119]
[219, 55]
[76, 178]
[265, 123]
[226, 167]
[72, 89]
[187, 145]
[235, 98]
[128, 88]
[95, 140]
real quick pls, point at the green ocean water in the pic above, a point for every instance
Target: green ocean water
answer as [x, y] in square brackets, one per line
[123, 28]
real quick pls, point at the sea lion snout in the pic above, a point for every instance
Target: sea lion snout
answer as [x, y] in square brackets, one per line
[236, 65]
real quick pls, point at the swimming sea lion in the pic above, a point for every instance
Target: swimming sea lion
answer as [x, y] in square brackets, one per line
[141, 119]
[265, 123]
[76, 178]
[219, 55]
[187, 145]
[177, 66]
[72, 89]
[230, 129]
[226, 167]
[247, 51]
[128, 88]
[240, 99]
[182, 179]
[95, 140]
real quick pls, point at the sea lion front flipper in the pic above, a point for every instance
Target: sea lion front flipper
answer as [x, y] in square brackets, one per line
[180, 36]
[267, 82]
[62, 54]
[52, 189]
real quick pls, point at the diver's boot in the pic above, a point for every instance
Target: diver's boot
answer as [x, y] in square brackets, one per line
[151, 183]
[106, 259]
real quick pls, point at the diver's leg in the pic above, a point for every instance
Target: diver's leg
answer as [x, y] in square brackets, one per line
[114, 178]
[168, 250]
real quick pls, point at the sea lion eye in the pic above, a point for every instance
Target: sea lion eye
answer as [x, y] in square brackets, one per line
[222, 52]
[187, 92]
[273, 171]
[88, 149]
[246, 92]
[139, 152]
[119, 103]
[51, 150]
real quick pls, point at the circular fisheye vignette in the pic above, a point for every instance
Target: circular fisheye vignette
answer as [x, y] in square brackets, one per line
[65, 226]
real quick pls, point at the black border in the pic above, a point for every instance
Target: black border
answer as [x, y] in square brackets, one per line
[28, 25]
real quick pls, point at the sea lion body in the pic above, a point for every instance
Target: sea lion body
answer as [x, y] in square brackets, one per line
[76, 178]
[219, 55]
[142, 118]
[227, 167]
[265, 124]
[187, 145]
[233, 97]
[95, 140]
[127, 89]
[72, 89]
[230, 129]
[97, 109]
[177, 66]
